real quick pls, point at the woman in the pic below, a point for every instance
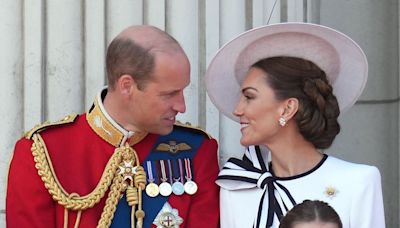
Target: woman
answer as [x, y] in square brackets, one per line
[292, 80]
[311, 214]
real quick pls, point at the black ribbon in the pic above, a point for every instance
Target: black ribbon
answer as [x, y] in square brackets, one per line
[265, 180]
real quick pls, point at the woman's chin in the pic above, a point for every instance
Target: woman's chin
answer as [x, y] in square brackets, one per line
[245, 142]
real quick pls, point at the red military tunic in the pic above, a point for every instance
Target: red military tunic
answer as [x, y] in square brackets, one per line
[78, 150]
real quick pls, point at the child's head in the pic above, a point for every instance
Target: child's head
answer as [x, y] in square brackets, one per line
[311, 214]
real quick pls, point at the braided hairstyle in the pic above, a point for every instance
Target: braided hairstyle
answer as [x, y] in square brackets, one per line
[311, 211]
[318, 111]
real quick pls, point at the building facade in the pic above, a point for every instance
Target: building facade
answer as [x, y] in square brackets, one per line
[52, 64]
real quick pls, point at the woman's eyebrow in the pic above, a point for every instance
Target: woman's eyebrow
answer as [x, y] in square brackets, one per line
[249, 88]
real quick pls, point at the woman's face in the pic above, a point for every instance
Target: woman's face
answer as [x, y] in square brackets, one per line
[315, 224]
[258, 110]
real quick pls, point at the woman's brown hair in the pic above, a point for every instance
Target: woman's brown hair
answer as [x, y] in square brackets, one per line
[317, 115]
[310, 211]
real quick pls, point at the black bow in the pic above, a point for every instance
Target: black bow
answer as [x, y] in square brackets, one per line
[253, 170]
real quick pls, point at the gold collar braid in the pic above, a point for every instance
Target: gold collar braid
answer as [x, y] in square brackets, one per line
[105, 127]
[119, 170]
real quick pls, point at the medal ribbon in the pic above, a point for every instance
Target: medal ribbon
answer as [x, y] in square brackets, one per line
[150, 171]
[188, 169]
[153, 205]
[181, 169]
[170, 171]
[175, 169]
[164, 175]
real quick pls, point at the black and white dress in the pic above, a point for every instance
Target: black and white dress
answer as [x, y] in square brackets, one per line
[251, 196]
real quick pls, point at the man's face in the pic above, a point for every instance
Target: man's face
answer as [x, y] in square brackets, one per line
[155, 106]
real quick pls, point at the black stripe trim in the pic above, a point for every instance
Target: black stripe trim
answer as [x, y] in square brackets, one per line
[237, 178]
[244, 165]
[260, 159]
[300, 175]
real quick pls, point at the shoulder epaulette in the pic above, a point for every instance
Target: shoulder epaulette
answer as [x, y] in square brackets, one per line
[40, 127]
[189, 126]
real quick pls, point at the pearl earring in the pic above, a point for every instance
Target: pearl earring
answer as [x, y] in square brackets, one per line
[282, 121]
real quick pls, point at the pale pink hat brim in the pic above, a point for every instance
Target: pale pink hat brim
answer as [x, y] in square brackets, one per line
[343, 61]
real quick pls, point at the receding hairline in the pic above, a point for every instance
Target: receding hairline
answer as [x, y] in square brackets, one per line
[151, 38]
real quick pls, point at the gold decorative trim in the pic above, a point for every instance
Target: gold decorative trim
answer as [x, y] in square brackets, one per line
[122, 155]
[106, 130]
[99, 123]
[137, 137]
[67, 119]
[70, 201]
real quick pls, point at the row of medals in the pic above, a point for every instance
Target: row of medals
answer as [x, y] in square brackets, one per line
[166, 189]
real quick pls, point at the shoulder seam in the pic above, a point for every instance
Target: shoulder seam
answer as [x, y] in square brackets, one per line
[40, 127]
[188, 125]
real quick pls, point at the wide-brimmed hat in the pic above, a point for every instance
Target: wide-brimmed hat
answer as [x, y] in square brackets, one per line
[343, 61]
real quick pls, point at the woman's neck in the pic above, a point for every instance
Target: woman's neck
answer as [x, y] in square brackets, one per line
[293, 157]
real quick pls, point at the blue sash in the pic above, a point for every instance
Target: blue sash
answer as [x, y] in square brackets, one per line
[152, 205]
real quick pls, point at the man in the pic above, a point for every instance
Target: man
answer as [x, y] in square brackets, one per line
[125, 163]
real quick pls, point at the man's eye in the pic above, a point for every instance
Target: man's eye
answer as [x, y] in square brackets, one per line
[168, 95]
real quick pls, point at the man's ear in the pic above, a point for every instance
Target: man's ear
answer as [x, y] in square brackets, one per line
[291, 106]
[126, 84]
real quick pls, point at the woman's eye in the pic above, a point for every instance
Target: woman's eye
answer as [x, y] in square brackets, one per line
[248, 97]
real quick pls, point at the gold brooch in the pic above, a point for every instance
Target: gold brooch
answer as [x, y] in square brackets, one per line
[331, 192]
[173, 147]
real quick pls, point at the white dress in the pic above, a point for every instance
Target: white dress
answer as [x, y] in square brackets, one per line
[353, 190]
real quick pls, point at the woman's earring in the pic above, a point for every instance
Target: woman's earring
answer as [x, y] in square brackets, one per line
[282, 121]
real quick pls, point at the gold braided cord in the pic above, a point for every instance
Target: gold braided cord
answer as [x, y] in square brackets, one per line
[65, 218]
[140, 213]
[78, 219]
[121, 160]
[114, 196]
[140, 178]
[132, 198]
[133, 217]
[140, 183]
[78, 216]
[135, 180]
[48, 176]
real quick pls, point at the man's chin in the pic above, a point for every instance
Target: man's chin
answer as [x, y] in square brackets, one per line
[165, 130]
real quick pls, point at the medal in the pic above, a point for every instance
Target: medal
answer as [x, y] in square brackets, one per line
[151, 188]
[177, 188]
[165, 187]
[190, 186]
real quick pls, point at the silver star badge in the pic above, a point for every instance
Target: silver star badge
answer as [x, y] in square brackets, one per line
[168, 217]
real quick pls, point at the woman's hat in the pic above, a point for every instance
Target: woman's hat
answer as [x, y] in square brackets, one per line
[343, 61]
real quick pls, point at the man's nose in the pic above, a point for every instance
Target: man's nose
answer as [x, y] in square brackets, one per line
[179, 104]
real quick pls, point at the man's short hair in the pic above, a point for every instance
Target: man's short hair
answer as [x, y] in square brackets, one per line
[135, 56]
[124, 56]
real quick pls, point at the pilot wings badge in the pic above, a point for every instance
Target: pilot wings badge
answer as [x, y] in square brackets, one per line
[173, 147]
